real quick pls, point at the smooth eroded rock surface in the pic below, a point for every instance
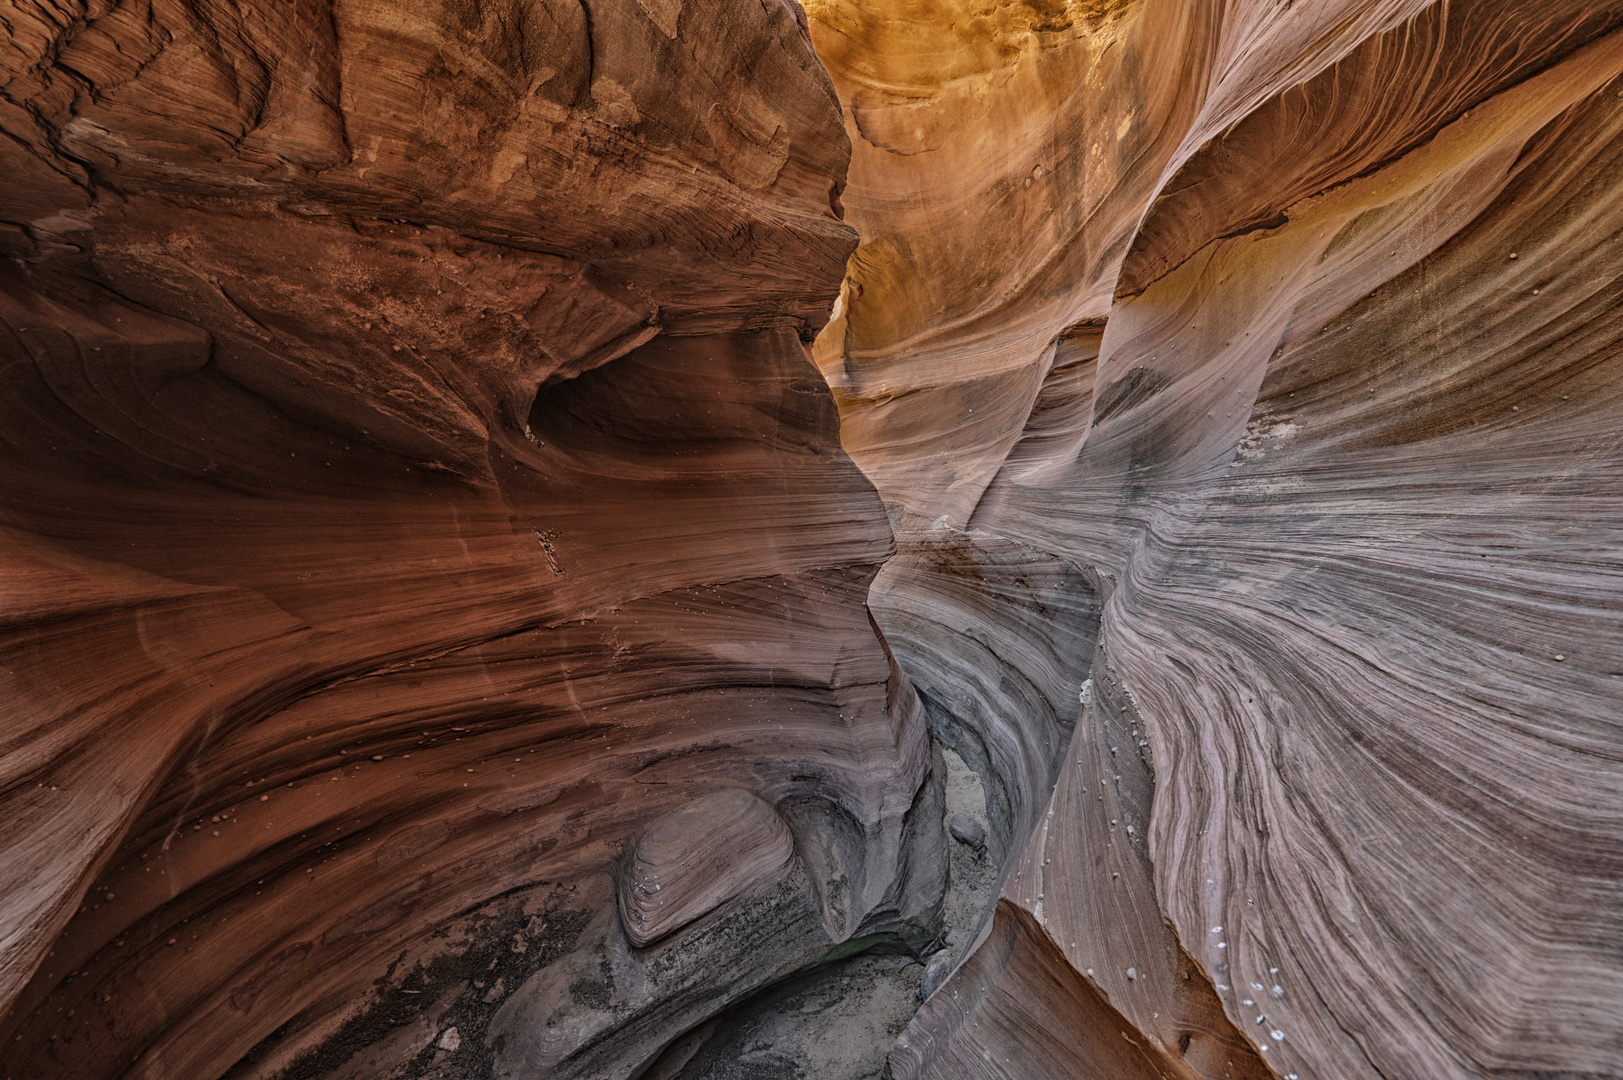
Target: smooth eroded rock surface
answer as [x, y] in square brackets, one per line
[412, 488]
[698, 857]
[525, 523]
[1294, 329]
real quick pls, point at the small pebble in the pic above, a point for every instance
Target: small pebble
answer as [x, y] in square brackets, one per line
[966, 830]
[935, 973]
[1558, 656]
[1132, 973]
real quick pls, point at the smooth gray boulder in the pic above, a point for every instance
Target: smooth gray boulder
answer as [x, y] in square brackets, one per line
[966, 830]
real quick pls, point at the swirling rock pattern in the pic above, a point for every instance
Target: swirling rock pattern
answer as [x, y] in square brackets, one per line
[697, 858]
[413, 486]
[1295, 326]
[433, 512]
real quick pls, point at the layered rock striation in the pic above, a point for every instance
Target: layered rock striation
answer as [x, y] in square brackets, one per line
[1294, 327]
[414, 491]
[467, 615]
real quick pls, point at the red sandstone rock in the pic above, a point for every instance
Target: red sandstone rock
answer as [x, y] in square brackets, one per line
[413, 487]
[697, 858]
[421, 532]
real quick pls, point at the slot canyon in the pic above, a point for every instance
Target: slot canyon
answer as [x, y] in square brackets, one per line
[732, 540]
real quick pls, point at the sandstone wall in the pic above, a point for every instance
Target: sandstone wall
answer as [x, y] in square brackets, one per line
[1297, 327]
[521, 521]
[414, 488]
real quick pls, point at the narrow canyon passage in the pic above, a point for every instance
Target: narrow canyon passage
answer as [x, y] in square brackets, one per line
[638, 539]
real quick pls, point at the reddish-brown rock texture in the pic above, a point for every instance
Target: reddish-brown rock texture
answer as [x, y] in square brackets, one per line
[450, 626]
[414, 489]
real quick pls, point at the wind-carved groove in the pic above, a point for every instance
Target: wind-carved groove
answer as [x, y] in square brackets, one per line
[996, 637]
